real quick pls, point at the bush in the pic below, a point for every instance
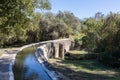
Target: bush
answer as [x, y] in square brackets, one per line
[111, 59]
[78, 41]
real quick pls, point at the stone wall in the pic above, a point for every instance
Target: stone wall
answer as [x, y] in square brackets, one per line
[48, 49]
[56, 48]
[53, 49]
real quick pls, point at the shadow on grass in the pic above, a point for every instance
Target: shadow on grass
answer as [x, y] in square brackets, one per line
[74, 74]
[81, 56]
[87, 64]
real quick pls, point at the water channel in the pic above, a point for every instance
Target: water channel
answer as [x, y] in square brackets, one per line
[27, 67]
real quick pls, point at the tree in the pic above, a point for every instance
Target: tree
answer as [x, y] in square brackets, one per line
[93, 32]
[15, 16]
[102, 36]
[73, 23]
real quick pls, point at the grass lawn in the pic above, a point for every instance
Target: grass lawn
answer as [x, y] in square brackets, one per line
[11, 48]
[78, 52]
[85, 69]
[1, 52]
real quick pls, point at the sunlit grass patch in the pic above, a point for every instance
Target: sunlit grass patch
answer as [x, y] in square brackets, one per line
[90, 69]
[1, 52]
[81, 55]
[78, 52]
[89, 66]
[11, 48]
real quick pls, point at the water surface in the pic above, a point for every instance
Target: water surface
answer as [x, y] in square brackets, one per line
[27, 67]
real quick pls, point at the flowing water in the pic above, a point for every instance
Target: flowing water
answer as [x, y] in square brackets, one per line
[27, 67]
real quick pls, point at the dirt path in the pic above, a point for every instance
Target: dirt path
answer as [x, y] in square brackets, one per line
[5, 60]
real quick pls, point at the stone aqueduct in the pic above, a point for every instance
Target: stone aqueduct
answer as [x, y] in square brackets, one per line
[56, 48]
[53, 49]
[47, 49]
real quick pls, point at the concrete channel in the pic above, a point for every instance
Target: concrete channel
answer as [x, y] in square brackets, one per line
[27, 63]
[34, 65]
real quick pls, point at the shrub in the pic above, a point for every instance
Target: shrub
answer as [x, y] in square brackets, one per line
[111, 59]
[78, 41]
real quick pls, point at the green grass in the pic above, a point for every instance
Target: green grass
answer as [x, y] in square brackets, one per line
[81, 54]
[90, 69]
[11, 48]
[89, 66]
[1, 52]
[78, 52]
[86, 70]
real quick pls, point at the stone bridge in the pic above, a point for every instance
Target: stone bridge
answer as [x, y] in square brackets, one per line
[53, 49]
[47, 49]
[56, 48]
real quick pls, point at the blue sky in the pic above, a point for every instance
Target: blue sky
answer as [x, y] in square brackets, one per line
[85, 8]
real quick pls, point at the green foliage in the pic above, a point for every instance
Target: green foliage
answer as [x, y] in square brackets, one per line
[55, 26]
[79, 39]
[71, 21]
[111, 59]
[92, 32]
[102, 35]
[20, 25]
[15, 19]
